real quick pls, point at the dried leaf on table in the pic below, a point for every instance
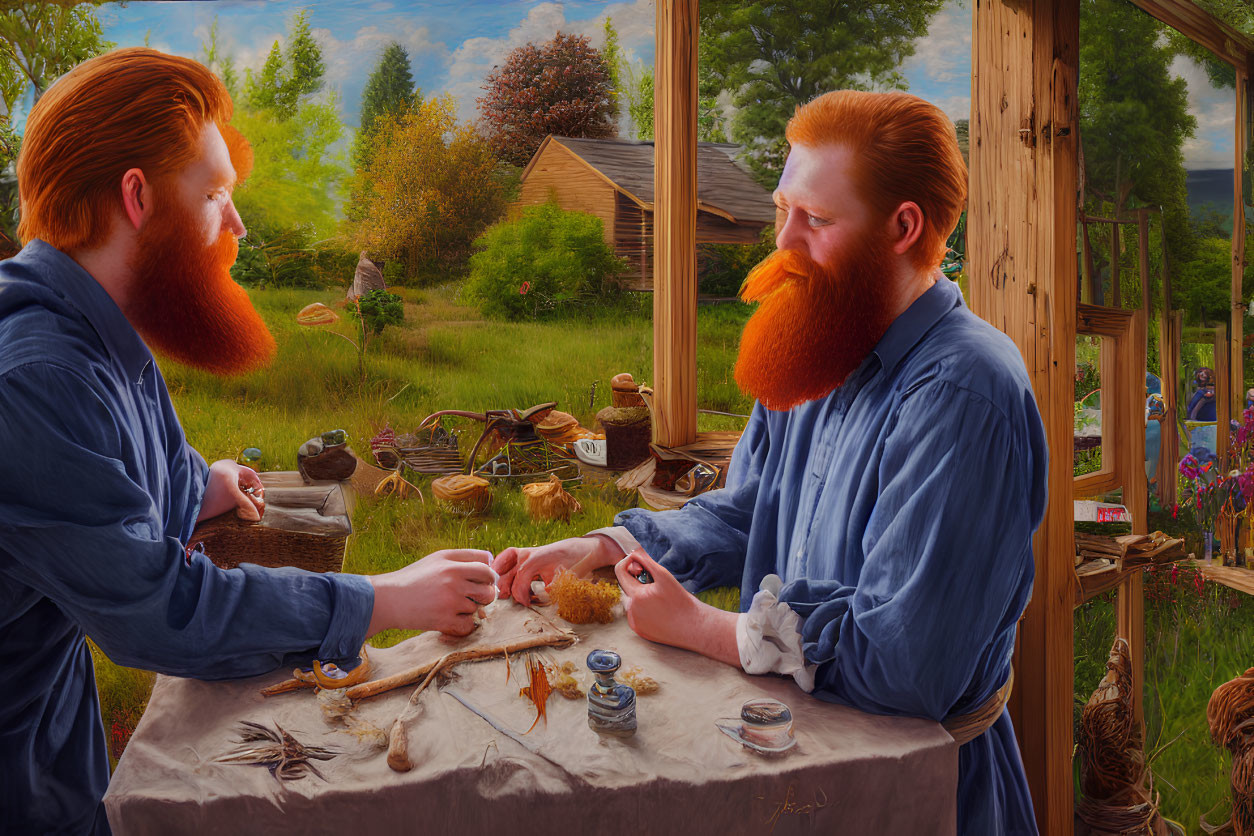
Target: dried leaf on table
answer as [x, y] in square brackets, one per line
[537, 690]
[285, 756]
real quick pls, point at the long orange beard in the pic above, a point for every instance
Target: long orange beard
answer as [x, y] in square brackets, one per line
[185, 304]
[814, 325]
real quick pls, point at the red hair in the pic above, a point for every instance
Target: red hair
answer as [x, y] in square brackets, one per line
[906, 150]
[130, 108]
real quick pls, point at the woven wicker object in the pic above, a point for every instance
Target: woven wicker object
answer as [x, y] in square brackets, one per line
[1116, 787]
[305, 526]
[462, 493]
[1230, 715]
[549, 500]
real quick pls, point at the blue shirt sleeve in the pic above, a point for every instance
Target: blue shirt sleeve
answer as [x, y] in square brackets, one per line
[79, 526]
[703, 544]
[929, 628]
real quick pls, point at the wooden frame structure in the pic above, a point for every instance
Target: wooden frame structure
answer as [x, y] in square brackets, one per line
[1022, 216]
[1022, 267]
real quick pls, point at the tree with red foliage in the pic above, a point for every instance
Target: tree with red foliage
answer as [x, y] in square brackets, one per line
[560, 87]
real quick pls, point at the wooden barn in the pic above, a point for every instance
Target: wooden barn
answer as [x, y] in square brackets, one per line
[613, 179]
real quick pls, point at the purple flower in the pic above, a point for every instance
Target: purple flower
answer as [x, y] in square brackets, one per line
[1189, 466]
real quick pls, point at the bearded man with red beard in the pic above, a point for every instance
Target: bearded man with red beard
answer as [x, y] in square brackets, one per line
[125, 179]
[880, 505]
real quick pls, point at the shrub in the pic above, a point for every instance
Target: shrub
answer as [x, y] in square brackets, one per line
[380, 309]
[546, 261]
[722, 268]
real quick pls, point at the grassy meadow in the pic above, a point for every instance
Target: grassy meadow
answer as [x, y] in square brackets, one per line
[444, 356]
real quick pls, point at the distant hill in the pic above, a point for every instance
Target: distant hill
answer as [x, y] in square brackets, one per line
[1209, 187]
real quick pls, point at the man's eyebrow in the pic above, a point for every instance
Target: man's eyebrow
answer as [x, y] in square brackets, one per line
[226, 181]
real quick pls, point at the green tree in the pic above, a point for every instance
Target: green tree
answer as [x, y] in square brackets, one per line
[213, 57]
[774, 55]
[389, 89]
[287, 78]
[41, 41]
[612, 54]
[1134, 120]
[38, 43]
[640, 105]
[431, 186]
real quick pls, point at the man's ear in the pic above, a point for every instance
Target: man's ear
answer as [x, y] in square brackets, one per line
[905, 227]
[136, 197]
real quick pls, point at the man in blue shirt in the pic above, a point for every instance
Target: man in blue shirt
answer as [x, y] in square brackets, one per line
[880, 506]
[125, 179]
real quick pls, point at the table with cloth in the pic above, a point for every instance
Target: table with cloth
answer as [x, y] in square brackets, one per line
[850, 772]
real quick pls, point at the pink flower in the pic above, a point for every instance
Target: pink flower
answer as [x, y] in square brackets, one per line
[522, 291]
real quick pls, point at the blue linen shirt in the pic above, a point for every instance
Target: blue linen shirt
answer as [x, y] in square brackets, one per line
[899, 512]
[99, 492]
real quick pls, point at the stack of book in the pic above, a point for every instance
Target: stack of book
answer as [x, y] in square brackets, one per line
[1096, 553]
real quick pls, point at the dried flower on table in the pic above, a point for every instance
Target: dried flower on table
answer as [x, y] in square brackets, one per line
[537, 689]
[564, 682]
[285, 756]
[337, 708]
[641, 684]
[582, 601]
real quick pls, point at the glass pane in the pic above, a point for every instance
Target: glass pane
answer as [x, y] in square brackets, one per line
[1088, 405]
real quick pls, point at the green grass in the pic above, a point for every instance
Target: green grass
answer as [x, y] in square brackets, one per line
[1197, 636]
[445, 356]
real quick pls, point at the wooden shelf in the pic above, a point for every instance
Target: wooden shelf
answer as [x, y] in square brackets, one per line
[1233, 577]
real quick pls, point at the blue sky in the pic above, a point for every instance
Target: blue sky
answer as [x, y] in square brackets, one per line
[453, 44]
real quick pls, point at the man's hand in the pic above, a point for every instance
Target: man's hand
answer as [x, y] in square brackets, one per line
[666, 613]
[518, 567]
[226, 488]
[441, 591]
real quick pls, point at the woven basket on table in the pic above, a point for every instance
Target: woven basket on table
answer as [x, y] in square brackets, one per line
[305, 526]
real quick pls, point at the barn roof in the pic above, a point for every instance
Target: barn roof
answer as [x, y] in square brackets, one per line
[722, 187]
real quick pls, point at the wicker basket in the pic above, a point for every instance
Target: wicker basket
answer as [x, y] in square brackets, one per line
[305, 526]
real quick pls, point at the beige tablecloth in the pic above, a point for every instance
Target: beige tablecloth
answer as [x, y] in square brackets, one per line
[850, 772]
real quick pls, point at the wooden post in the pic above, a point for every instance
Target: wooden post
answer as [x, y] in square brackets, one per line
[1093, 281]
[1169, 328]
[675, 224]
[1142, 251]
[1130, 456]
[1116, 300]
[1022, 228]
[1236, 331]
[1223, 393]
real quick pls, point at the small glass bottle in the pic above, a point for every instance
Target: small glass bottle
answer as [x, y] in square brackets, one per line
[611, 704]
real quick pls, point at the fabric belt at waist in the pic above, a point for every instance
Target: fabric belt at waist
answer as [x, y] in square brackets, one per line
[967, 727]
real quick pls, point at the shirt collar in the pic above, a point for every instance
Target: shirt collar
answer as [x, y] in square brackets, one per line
[69, 280]
[915, 321]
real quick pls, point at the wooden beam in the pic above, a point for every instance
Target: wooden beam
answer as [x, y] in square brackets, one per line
[1091, 292]
[1023, 273]
[1129, 442]
[1101, 321]
[1190, 20]
[1236, 354]
[1116, 295]
[1169, 327]
[675, 223]
[1143, 268]
[1223, 395]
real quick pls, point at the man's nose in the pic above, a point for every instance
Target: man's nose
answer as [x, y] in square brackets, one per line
[792, 234]
[233, 221]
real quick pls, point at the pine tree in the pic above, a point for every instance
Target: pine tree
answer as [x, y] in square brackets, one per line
[304, 66]
[389, 89]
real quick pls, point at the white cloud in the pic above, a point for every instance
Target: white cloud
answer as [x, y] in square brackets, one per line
[1215, 112]
[955, 107]
[471, 62]
[943, 56]
[355, 58]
